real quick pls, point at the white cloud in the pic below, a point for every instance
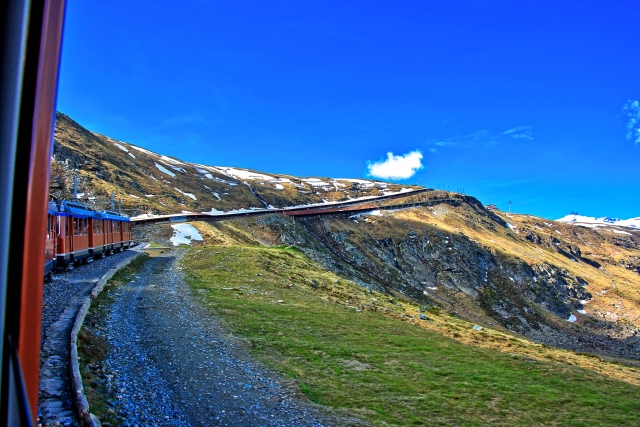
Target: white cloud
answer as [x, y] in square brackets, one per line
[520, 132]
[396, 167]
[483, 139]
[632, 110]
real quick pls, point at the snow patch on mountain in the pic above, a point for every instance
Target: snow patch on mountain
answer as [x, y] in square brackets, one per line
[142, 150]
[165, 170]
[183, 234]
[186, 194]
[242, 173]
[592, 222]
[122, 147]
[172, 161]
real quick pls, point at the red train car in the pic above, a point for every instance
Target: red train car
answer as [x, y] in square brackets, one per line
[115, 231]
[83, 233]
[73, 233]
[50, 241]
[30, 36]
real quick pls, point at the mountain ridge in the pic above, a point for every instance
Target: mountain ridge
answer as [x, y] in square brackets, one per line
[552, 282]
[146, 182]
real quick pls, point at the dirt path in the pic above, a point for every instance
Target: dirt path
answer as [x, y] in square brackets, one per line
[173, 365]
[62, 298]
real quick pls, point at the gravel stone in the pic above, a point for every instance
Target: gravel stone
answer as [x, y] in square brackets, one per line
[62, 298]
[171, 363]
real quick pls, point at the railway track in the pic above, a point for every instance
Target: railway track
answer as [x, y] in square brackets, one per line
[352, 207]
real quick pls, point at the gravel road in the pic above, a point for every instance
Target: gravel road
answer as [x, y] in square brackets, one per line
[172, 364]
[62, 299]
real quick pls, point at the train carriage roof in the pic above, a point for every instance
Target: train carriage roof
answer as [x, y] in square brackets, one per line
[114, 216]
[77, 210]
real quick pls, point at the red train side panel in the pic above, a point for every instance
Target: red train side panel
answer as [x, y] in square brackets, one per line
[50, 240]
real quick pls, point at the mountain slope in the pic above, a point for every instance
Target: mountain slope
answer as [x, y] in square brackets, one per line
[557, 283]
[507, 272]
[613, 224]
[146, 182]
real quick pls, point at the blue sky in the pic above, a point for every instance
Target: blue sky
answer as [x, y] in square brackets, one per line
[529, 102]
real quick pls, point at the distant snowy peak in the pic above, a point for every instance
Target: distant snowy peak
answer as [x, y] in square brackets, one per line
[588, 221]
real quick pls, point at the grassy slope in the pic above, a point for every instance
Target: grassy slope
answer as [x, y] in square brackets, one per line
[385, 365]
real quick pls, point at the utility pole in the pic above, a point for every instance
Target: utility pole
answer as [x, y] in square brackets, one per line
[510, 203]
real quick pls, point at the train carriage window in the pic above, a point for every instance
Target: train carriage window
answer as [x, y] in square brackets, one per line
[116, 226]
[85, 226]
[97, 227]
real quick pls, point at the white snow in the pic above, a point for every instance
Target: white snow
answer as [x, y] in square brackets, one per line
[283, 180]
[557, 231]
[135, 197]
[131, 155]
[363, 182]
[170, 160]
[376, 212]
[183, 234]
[150, 195]
[588, 221]
[242, 173]
[186, 194]
[217, 196]
[208, 175]
[621, 232]
[122, 147]
[142, 150]
[582, 311]
[279, 187]
[177, 168]
[357, 181]
[316, 182]
[572, 318]
[165, 170]
[402, 190]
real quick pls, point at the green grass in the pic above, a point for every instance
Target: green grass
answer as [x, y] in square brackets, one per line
[383, 369]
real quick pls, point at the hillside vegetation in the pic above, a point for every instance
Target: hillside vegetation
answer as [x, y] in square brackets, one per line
[447, 312]
[149, 183]
[557, 283]
[392, 362]
[498, 271]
